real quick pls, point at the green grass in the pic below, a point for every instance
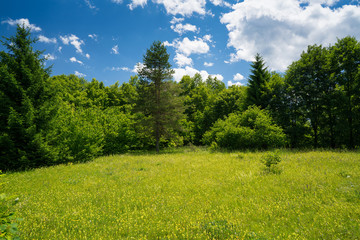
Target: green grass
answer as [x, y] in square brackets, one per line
[192, 195]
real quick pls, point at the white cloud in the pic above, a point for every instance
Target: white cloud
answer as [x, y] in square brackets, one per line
[87, 56]
[60, 49]
[208, 64]
[93, 36]
[49, 57]
[188, 47]
[167, 44]
[180, 72]
[176, 20]
[238, 77]
[136, 3]
[182, 28]
[79, 74]
[23, 22]
[220, 3]
[173, 7]
[73, 59]
[182, 60]
[230, 83]
[90, 5]
[207, 38]
[183, 7]
[115, 49]
[73, 40]
[126, 69]
[280, 30]
[47, 40]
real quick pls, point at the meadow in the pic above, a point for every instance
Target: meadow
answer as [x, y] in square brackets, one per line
[192, 195]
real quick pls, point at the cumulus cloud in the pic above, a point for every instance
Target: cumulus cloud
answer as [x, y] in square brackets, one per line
[183, 28]
[231, 83]
[115, 49]
[238, 77]
[49, 57]
[87, 56]
[23, 22]
[47, 40]
[208, 64]
[93, 36]
[173, 7]
[196, 46]
[182, 60]
[220, 3]
[178, 27]
[183, 7]
[73, 59]
[280, 30]
[79, 74]
[180, 72]
[136, 3]
[73, 40]
[185, 47]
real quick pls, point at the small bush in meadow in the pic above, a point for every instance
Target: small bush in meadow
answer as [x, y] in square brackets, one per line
[271, 161]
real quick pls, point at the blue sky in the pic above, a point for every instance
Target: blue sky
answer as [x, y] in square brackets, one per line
[106, 39]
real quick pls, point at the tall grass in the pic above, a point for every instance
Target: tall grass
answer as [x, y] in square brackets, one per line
[193, 195]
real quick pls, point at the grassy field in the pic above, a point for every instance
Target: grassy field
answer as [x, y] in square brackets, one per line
[192, 195]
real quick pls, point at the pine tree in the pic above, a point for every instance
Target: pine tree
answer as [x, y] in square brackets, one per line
[22, 87]
[159, 99]
[257, 83]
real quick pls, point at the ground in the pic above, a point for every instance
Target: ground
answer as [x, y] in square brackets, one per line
[192, 195]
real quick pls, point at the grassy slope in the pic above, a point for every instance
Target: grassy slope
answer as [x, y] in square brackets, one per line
[195, 195]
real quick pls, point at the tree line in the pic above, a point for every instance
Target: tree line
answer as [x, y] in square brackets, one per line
[47, 120]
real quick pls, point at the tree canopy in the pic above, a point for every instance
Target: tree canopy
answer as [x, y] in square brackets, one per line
[48, 120]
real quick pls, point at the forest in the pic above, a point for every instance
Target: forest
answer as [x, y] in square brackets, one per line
[48, 120]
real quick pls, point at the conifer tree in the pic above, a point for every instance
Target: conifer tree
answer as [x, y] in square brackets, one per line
[22, 88]
[159, 99]
[257, 83]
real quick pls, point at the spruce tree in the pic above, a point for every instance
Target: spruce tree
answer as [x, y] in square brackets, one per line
[22, 88]
[256, 94]
[159, 99]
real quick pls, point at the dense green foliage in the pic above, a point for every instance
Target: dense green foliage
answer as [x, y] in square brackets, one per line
[8, 221]
[323, 94]
[23, 104]
[249, 130]
[51, 120]
[192, 195]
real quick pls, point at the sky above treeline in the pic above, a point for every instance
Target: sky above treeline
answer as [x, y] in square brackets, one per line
[106, 39]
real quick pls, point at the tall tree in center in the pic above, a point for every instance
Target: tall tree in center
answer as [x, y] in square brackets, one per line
[258, 79]
[158, 94]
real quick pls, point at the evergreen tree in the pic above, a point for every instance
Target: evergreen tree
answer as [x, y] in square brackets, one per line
[159, 100]
[257, 83]
[22, 93]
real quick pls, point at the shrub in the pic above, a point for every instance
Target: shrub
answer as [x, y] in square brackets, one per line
[271, 161]
[8, 226]
[252, 129]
